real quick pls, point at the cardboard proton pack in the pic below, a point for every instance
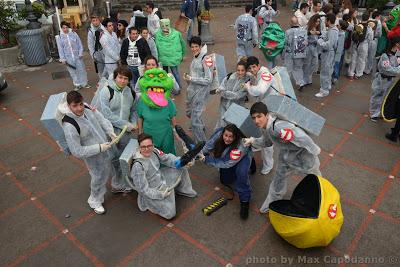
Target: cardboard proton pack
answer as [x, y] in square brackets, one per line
[282, 82]
[126, 158]
[51, 120]
[219, 71]
[284, 106]
[240, 116]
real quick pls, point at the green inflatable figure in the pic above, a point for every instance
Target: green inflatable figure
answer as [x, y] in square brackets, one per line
[394, 16]
[155, 109]
[272, 41]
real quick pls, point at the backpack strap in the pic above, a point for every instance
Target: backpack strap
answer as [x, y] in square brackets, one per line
[72, 121]
[111, 92]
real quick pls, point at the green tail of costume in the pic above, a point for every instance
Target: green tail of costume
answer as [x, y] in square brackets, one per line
[272, 41]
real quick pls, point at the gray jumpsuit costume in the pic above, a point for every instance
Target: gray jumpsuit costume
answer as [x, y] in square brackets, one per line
[231, 91]
[97, 56]
[111, 49]
[246, 35]
[120, 110]
[327, 45]
[94, 129]
[311, 62]
[298, 152]
[151, 182]
[388, 69]
[198, 92]
[293, 62]
[359, 54]
[262, 90]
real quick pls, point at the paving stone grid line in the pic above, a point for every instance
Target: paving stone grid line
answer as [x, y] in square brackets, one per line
[64, 232]
[68, 233]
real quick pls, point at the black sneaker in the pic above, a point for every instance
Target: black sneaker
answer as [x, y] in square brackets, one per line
[244, 210]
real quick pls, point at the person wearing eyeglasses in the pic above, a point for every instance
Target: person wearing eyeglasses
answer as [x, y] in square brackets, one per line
[156, 176]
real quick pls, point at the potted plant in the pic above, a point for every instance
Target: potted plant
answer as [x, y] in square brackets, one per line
[38, 9]
[8, 23]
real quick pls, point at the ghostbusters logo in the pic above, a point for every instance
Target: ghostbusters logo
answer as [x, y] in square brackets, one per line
[235, 154]
[266, 76]
[287, 135]
[386, 63]
[159, 152]
[209, 62]
[332, 211]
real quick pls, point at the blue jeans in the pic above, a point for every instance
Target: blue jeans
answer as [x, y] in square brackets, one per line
[336, 68]
[135, 75]
[175, 72]
[239, 176]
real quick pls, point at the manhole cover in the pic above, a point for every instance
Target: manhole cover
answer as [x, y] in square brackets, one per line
[60, 75]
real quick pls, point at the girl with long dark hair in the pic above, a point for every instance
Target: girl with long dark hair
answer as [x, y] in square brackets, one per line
[225, 150]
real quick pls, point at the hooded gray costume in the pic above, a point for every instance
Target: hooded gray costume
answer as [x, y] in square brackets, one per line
[231, 91]
[152, 182]
[94, 129]
[98, 55]
[388, 69]
[327, 45]
[119, 111]
[111, 49]
[263, 88]
[297, 152]
[246, 35]
[198, 92]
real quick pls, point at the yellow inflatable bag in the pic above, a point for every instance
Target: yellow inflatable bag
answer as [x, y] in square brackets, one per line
[312, 217]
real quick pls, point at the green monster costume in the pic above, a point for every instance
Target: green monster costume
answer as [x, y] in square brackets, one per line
[156, 108]
[272, 41]
[170, 45]
[391, 23]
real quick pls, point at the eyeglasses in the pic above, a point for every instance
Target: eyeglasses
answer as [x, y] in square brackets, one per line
[147, 147]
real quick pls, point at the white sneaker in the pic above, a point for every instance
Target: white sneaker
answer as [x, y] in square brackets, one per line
[98, 208]
[265, 171]
[321, 94]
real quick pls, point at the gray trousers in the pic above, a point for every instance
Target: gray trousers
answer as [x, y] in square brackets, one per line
[278, 186]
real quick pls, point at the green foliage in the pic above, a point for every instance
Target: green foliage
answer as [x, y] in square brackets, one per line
[8, 16]
[38, 9]
[8, 22]
[379, 4]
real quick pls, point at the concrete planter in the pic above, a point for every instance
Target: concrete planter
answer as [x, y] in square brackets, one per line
[9, 56]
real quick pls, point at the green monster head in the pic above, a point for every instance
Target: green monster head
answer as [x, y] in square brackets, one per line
[155, 88]
[395, 13]
[165, 25]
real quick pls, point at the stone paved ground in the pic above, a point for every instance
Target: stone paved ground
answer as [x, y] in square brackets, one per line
[40, 186]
